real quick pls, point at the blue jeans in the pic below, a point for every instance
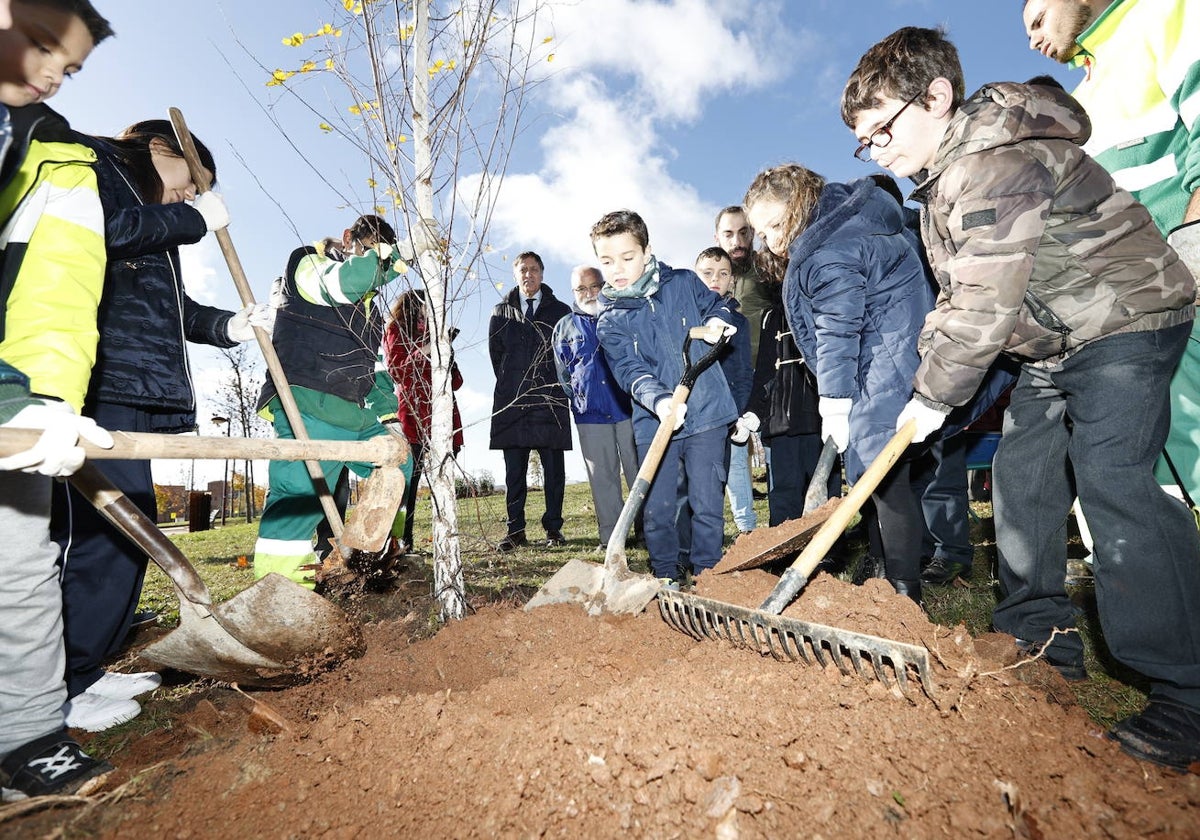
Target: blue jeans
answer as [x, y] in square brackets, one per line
[700, 461]
[739, 488]
[1101, 416]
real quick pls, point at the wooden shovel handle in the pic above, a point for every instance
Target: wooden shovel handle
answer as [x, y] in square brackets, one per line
[384, 451]
[290, 409]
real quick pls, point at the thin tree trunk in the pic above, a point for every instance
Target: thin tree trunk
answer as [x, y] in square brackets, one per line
[449, 587]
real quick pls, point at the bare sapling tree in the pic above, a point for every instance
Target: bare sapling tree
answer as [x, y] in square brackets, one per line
[431, 95]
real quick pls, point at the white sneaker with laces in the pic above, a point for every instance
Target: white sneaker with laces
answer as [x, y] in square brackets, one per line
[118, 686]
[95, 713]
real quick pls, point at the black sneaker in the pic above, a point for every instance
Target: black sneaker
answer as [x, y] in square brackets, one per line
[942, 572]
[555, 539]
[52, 764]
[869, 566]
[1166, 733]
[143, 618]
[512, 541]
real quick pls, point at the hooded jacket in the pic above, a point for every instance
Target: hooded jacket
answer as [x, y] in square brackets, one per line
[643, 338]
[51, 251]
[1035, 250]
[529, 409]
[856, 295]
[584, 373]
[146, 318]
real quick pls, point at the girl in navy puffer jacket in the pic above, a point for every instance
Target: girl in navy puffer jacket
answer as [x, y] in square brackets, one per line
[141, 381]
[856, 296]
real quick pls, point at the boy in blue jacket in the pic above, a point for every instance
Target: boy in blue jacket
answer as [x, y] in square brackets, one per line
[714, 266]
[649, 309]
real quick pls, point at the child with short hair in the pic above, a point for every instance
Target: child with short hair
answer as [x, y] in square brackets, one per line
[51, 272]
[649, 308]
[1039, 255]
[714, 267]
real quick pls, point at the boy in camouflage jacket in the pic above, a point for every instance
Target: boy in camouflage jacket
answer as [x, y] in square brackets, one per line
[1039, 255]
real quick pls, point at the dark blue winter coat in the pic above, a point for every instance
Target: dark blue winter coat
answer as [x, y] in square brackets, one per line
[643, 339]
[529, 410]
[146, 318]
[856, 297]
[584, 374]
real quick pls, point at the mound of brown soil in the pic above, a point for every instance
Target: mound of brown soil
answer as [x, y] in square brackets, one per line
[551, 723]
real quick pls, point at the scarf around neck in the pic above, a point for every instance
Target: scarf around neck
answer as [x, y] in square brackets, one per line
[644, 286]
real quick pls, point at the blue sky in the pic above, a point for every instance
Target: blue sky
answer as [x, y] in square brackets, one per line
[669, 108]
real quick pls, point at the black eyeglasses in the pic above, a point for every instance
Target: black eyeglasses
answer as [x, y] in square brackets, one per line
[883, 135]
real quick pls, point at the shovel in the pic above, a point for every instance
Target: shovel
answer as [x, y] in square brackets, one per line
[788, 638]
[791, 536]
[612, 588]
[274, 633]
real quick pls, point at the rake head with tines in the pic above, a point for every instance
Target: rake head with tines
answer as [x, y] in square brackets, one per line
[799, 641]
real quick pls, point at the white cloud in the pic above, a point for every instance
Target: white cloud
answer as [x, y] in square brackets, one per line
[676, 53]
[628, 71]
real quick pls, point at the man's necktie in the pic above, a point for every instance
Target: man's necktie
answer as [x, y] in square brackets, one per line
[529, 308]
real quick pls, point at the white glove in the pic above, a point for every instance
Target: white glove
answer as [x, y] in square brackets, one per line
[835, 420]
[663, 409]
[746, 424]
[384, 250]
[57, 451]
[241, 325]
[1185, 239]
[212, 208]
[717, 328]
[929, 420]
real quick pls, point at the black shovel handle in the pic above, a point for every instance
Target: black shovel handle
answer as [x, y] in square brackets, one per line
[818, 487]
[692, 370]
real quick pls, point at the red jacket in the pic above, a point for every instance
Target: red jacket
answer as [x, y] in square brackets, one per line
[412, 371]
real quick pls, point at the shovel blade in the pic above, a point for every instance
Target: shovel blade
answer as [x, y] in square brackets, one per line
[285, 621]
[200, 645]
[598, 589]
[275, 633]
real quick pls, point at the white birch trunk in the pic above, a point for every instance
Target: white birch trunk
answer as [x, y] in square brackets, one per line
[449, 587]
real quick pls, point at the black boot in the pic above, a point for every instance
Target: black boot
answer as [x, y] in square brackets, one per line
[911, 588]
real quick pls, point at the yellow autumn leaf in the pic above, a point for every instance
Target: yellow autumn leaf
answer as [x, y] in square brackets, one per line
[329, 64]
[308, 66]
[550, 57]
[380, 209]
[354, 109]
[452, 64]
[403, 138]
[547, 39]
[371, 183]
[325, 127]
[294, 40]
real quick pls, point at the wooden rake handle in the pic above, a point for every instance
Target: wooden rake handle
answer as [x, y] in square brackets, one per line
[797, 574]
[290, 409]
